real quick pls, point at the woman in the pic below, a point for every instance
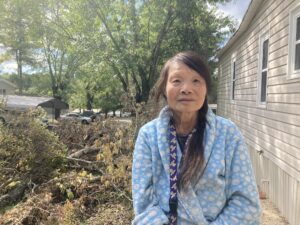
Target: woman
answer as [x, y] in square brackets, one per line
[190, 166]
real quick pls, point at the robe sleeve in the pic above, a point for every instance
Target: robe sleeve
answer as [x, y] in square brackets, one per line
[243, 206]
[146, 207]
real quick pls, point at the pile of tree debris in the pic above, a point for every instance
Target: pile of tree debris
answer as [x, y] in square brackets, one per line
[74, 174]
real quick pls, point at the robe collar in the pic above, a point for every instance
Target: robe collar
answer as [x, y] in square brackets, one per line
[163, 145]
[163, 136]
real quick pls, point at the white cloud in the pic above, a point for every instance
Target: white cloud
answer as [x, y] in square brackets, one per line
[2, 50]
[11, 67]
[8, 67]
[236, 8]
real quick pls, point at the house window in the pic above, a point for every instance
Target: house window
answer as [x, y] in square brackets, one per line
[233, 77]
[263, 68]
[294, 43]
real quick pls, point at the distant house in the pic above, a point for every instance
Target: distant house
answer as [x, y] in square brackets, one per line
[51, 105]
[6, 87]
[259, 89]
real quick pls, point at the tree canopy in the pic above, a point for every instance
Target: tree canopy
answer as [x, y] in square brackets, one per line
[87, 50]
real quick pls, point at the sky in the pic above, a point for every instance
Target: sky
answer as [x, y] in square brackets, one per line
[236, 8]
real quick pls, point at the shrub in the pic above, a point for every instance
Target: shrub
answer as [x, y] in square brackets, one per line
[28, 152]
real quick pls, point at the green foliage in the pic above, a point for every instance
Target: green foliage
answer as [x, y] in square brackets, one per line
[34, 84]
[109, 94]
[78, 44]
[39, 85]
[16, 19]
[212, 98]
[77, 96]
[135, 37]
[29, 150]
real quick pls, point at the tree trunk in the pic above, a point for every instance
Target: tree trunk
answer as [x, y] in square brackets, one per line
[89, 101]
[20, 74]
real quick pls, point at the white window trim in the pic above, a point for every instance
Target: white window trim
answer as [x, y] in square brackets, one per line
[262, 38]
[293, 15]
[233, 60]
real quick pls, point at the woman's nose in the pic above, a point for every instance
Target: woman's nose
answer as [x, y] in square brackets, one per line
[186, 88]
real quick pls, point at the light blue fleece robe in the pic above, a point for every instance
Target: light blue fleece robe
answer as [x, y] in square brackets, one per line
[225, 194]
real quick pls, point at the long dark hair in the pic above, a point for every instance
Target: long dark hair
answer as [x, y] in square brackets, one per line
[193, 161]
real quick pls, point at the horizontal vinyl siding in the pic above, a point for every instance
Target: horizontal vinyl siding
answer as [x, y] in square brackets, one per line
[274, 128]
[271, 140]
[292, 109]
[284, 98]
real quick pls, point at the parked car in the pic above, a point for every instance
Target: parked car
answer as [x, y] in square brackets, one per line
[89, 113]
[76, 117]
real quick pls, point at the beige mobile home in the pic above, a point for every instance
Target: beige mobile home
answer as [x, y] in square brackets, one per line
[259, 89]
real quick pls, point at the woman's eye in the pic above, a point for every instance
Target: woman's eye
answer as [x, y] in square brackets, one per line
[176, 81]
[197, 81]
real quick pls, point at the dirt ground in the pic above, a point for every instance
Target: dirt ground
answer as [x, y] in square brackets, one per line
[271, 215]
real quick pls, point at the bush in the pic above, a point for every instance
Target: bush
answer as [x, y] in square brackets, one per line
[93, 193]
[28, 152]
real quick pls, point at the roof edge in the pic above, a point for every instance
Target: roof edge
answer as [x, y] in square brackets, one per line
[8, 82]
[250, 13]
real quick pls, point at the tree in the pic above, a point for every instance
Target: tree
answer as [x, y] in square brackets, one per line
[61, 58]
[133, 40]
[85, 87]
[96, 87]
[16, 20]
[137, 36]
[77, 95]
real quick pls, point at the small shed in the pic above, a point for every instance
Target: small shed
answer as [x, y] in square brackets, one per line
[259, 89]
[52, 106]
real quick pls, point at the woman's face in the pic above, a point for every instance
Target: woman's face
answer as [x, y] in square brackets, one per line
[185, 89]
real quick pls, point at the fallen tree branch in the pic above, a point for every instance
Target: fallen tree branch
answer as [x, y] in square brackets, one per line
[83, 151]
[79, 160]
[122, 193]
[88, 168]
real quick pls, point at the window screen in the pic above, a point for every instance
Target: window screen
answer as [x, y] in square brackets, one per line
[264, 70]
[263, 92]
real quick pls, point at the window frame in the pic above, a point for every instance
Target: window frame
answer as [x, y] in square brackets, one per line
[262, 38]
[294, 14]
[233, 79]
